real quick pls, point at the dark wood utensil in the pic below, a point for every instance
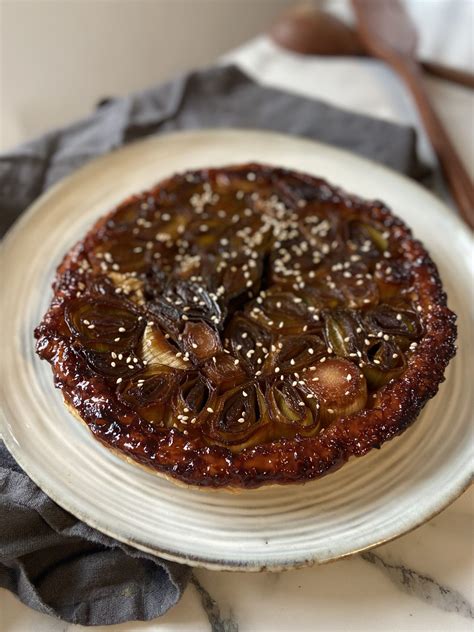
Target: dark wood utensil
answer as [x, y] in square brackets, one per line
[309, 31]
[387, 32]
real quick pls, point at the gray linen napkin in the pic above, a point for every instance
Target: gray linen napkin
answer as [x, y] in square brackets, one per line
[52, 561]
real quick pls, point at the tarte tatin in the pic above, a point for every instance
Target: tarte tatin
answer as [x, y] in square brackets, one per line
[248, 325]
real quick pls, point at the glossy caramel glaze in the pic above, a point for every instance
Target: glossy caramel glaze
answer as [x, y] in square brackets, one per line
[247, 325]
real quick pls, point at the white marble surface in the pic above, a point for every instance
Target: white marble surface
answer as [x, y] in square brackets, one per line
[422, 581]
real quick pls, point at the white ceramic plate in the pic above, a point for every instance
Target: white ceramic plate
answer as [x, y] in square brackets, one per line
[369, 501]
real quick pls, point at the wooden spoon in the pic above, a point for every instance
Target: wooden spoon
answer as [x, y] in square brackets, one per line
[309, 31]
[387, 32]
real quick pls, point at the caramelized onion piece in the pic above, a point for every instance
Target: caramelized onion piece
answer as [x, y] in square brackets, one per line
[200, 341]
[224, 371]
[383, 361]
[248, 342]
[294, 406]
[156, 349]
[340, 387]
[104, 324]
[237, 419]
[149, 393]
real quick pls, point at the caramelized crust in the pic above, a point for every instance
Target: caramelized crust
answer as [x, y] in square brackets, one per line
[248, 325]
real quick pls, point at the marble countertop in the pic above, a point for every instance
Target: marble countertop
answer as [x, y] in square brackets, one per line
[421, 581]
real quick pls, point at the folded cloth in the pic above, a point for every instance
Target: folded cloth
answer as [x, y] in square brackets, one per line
[218, 97]
[52, 561]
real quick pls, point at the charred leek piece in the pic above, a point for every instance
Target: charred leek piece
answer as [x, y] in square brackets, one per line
[383, 362]
[294, 406]
[248, 342]
[402, 324]
[114, 365]
[282, 313]
[130, 286]
[241, 279]
[368, 240]
[200, 341]
[157, 350]
[392, 276]
[121, 256]
[125, 215]
[358, 290]
[104, 324]
[319, 295]
[149, 393]
[224, 371]
[295, 189]
[205, 234]
[183, 301]
[343, 333]
[237, 419]
[192, 400]
[294, 353]
[339, 386]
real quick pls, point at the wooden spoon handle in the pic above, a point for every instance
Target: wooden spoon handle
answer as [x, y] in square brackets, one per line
[461, 77]
[456, 176]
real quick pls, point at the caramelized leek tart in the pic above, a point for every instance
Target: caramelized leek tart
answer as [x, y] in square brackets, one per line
[248, 325]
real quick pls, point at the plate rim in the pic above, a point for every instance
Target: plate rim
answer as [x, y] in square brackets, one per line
[169, 554]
